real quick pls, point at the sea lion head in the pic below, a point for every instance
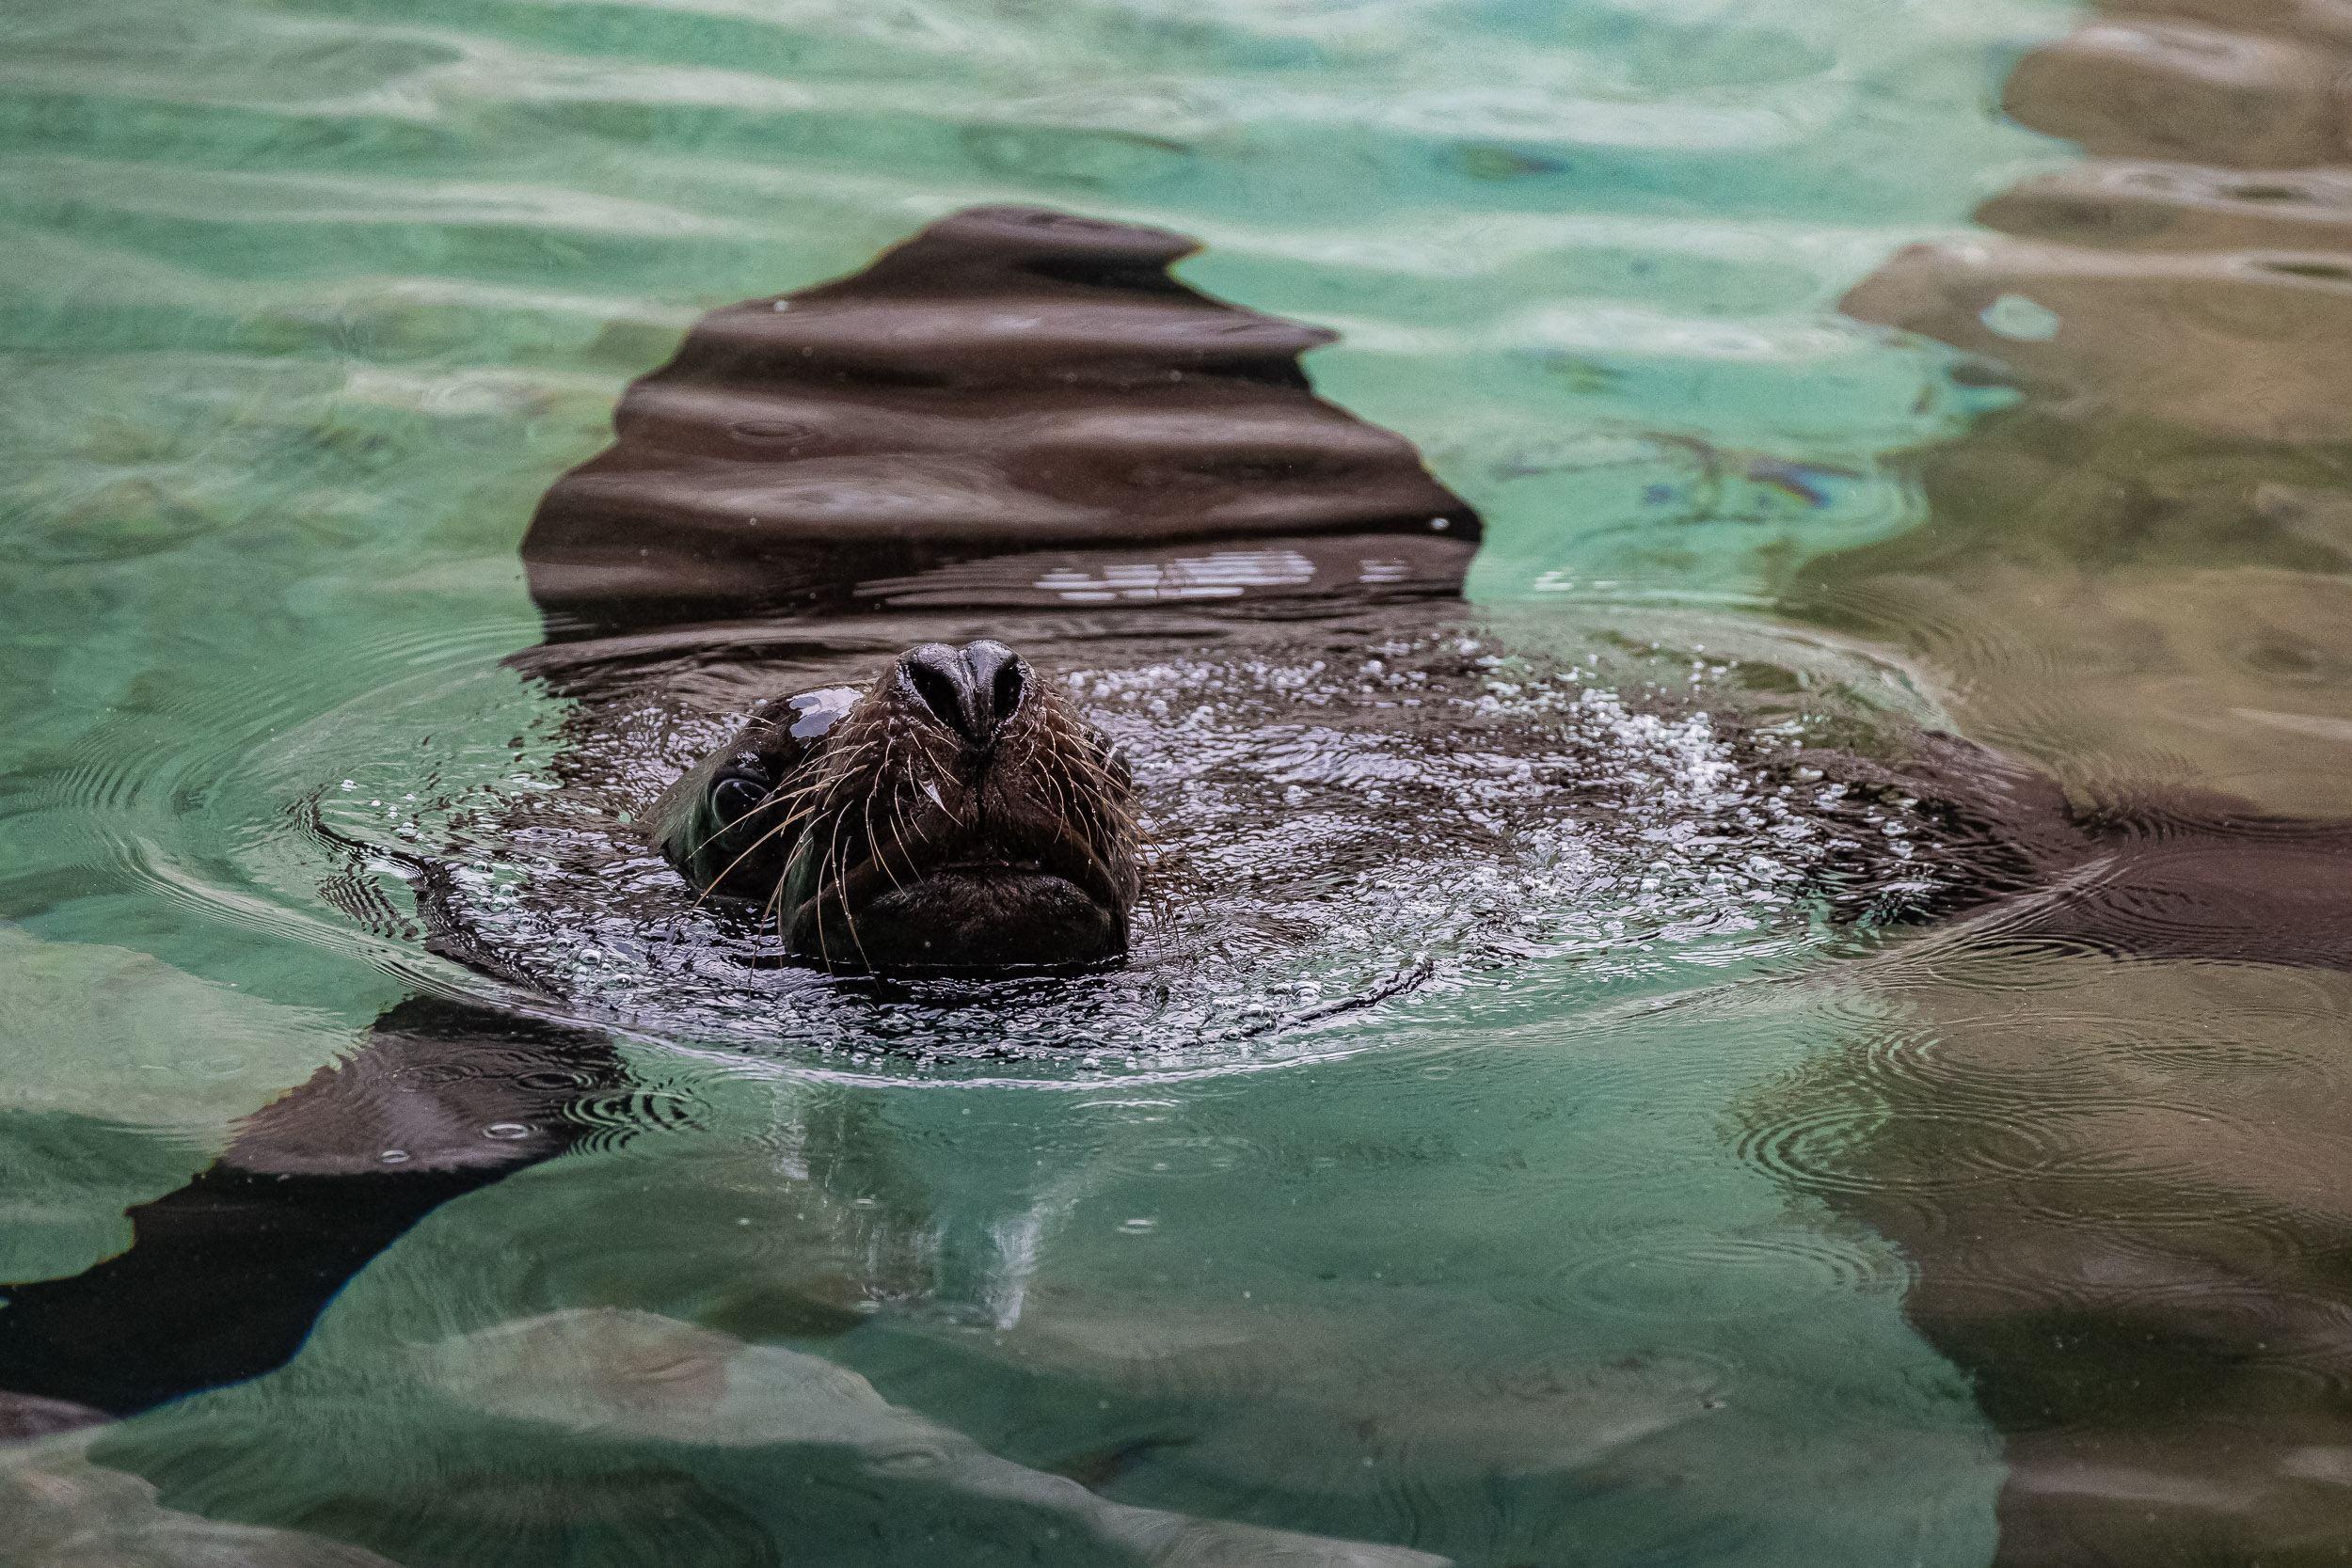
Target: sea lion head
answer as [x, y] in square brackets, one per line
[957, 814]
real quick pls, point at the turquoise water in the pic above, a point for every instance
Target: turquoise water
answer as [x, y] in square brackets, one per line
[306, 306]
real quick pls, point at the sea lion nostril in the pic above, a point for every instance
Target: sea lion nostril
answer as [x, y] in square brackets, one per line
[935, 681]
[972, 690]
[995, 679]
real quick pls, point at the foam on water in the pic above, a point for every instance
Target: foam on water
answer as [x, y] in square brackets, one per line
[1401, 823]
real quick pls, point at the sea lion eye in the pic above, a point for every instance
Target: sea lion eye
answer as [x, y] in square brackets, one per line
[732, 798]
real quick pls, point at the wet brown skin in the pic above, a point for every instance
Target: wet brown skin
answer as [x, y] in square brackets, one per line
[959, 815]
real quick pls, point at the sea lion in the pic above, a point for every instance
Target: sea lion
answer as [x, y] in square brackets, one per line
[958, 814]
[1014, 408]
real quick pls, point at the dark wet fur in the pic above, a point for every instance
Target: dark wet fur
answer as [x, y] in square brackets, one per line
[895, 842]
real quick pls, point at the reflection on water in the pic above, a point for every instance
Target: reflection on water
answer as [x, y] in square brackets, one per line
[2137, 575]
[2117, 1180]
[2114, 1176]
[1007, 380]
[1499, 1151]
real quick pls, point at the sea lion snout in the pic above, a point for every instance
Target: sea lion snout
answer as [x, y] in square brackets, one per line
[973, 690]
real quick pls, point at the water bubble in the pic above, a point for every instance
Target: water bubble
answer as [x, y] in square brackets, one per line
[506, 1131]
[394, 1157]
[1139, 1226]
[1594, 794]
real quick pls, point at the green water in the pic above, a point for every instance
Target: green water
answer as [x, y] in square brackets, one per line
[303, 309]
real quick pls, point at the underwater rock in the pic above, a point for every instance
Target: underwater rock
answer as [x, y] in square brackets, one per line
[61, 1510]
[717, 1451]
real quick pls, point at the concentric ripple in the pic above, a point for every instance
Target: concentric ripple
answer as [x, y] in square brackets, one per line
[1338, 825]
[1709, 1275]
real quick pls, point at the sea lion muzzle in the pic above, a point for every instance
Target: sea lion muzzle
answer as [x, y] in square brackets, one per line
[955, 814]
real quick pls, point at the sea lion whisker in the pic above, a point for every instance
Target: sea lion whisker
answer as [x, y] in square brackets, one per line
[729, 869]
[816, 904]
[775, 895]
[900, 834]
[841, 878]
[858, 942]
[1061, 800]
[727, 828]
[874, 845]
[840, 888]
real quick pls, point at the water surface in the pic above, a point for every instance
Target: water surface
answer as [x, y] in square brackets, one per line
[1586, 1249]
